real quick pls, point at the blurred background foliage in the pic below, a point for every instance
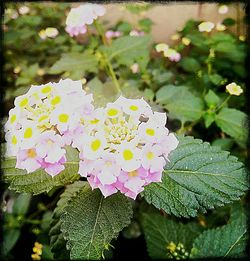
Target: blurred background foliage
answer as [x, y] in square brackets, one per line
[191, 91]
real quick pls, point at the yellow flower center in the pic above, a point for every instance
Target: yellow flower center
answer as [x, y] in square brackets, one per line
[24, 102]
[95, 121]
[150, 155]
[127, 155]
[46, 89]
[150, 132]
[14, 140]
[56, 100]
[112, 112]
[133, 108]
[31, 153]
[12, 119]
[95, 145]
[28, 133]
[133, 174]
[63, 118]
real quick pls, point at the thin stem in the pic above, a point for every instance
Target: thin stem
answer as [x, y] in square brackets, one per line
[222, 104]
[99, 29]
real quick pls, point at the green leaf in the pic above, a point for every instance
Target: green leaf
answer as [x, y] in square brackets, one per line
[145, 24]
[91, 221]
[21, 204]
[10, 238]
[227, 241]
[57, 242]
[211, 98]
[198, 177]
[180, 102]
[39, 181]
[160, 232]
[216, 79]
[76, 64]
[209, 118]
[229, 22]
[128, 50]
[189, 64]
[233, 123]
[223, 143]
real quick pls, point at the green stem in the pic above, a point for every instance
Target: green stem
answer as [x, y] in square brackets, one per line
[99, 29]
[223, 103]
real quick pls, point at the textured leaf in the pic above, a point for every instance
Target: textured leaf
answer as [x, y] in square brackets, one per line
[39, 181]
[180, 102]
[76, 64]
[227, 241]
[130, 49]
[211, 98]
[57, 242]
[91, 221]
[160, 231]
[198, 177]
[232, 121]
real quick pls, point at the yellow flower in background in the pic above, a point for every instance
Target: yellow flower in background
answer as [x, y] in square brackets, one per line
[175, 37]
[186, 41]
[242, 38]
[37, 249]
[17, 69]
[161, 47]
[206, 27]
[223, 9]
[84, 80]
[51, 32]
[42, 34]
[220, 27]
[40, 72]
[234, 89]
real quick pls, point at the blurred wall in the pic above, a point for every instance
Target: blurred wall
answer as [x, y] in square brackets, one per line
[169, 17]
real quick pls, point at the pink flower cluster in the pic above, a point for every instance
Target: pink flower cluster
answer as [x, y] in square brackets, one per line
[43, 121]
[125, 147]
[112, 34]
[122, 147]
[81, 16]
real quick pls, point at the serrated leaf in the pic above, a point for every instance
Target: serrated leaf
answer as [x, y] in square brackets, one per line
[57, 242]
[232, 121]
[21, 204]
[209, 118]
[227, 241]
[39, 181]
[198, 177]
[128, 50]
[91, 221]
[76, 64]
[180, 103]
[159, 231]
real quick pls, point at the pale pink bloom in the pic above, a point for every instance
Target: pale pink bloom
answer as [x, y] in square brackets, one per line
[134, 68]
[152, 159]
[81, 16]
[86, 167]
[112, 34]
[49, 147]
[136, 33]
[153, 177]
[175, 57]
[168, 144]
[106, 190]
[54, 168]
[28, 159]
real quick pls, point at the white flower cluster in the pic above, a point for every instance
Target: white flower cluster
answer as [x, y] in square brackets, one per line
[123, 147]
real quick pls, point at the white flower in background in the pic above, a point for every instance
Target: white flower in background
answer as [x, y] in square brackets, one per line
[206, 27]
[161, 47]
[49, 32]
[234, 89]
[220, 27]
[186, 41]
[135, 68]
[24, 10]
[81, 16]
[223, 9]
[175, 37]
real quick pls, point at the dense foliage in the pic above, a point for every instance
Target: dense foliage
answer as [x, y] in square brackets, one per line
[198, 210]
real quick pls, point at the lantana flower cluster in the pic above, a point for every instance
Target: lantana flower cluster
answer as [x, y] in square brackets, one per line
[168, 52]
[43, 121]
[122, 147]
